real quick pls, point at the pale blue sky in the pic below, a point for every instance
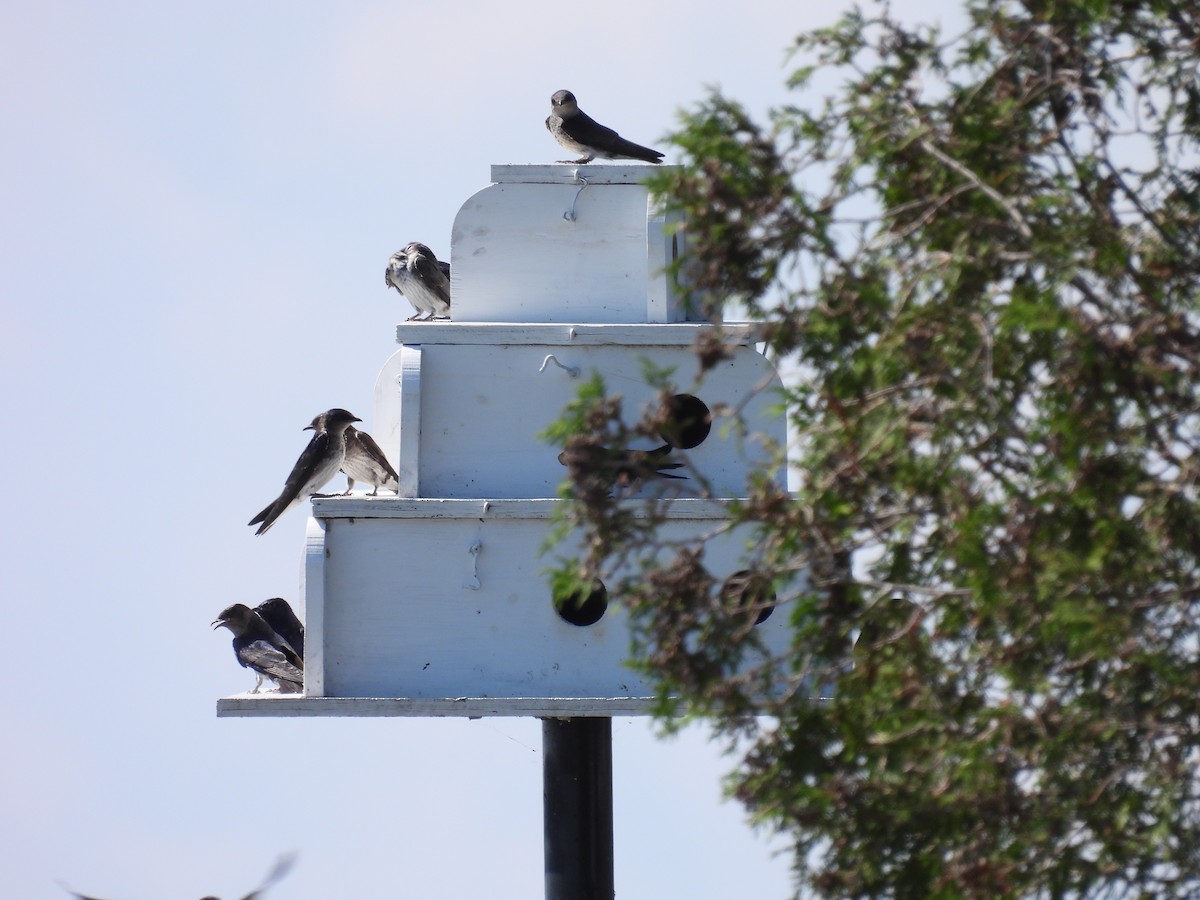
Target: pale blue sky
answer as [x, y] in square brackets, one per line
[198, 204]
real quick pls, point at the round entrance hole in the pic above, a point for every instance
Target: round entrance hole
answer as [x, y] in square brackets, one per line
[580, 607]
[688, 421]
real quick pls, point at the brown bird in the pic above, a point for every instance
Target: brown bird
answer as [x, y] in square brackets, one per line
[417, 274]
[364, 460]
[580, 133]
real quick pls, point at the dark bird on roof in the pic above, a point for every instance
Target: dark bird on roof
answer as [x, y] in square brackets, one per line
[580, 133]
[422, 278]
[277, 613]
[318, 463]
[258, 647]
[364, 461]
[278, 871]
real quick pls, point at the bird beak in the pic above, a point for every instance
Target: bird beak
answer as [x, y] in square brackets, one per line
[217, 624]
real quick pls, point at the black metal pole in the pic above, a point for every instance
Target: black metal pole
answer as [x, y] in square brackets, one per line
[577, 808]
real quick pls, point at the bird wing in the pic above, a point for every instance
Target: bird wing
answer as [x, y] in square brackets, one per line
[431, 274]
[282, 866]
[633, 466]
[365, 444]
[278, 615]
[657, 458]
[304, 475]
[263, 657]
[628, 148]
[587, 130]
[76, 894]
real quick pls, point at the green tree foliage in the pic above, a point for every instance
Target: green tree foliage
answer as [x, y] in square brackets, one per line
[982, 252]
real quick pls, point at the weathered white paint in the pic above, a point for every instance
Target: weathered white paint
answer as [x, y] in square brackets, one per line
[246, 705]
[385, 506]
[562, 244]
[436, 601]
[485, 407]
[600, 173]
[665, 243]
[624, 335]
[400, 620]
[406, 421]
[312, 607]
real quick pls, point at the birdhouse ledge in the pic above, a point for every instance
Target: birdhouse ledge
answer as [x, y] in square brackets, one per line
[439, 599]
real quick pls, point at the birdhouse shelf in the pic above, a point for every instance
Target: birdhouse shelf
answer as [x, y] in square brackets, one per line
[461, 618]
[438, 601]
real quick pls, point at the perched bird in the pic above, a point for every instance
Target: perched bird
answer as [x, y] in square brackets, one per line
[364, 460]
[278, 614]
[637, 465]
[318, 463]
[417, 274]
[609, 468]
[280, 869]
[580, 133]
[258, 647]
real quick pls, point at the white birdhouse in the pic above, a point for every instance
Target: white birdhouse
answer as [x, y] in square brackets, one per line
[437, 601]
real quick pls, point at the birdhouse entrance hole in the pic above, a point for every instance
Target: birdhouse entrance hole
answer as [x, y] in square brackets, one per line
[583, 609]
[688, 421]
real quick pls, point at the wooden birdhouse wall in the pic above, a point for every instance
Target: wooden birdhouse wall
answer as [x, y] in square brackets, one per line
[573, 244]
[437, 601]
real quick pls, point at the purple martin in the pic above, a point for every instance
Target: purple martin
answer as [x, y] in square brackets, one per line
[580, 133]
[421, 277]
[277, 613]
[278, 871]
[595, 465]
[258, 647]
[364, 460]
[318, 463]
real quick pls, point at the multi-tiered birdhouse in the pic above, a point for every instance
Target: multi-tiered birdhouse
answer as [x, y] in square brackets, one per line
[438, 601]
